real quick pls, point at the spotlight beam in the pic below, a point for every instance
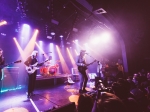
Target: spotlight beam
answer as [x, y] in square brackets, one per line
[45, 55]
[30, 46]
[3, 23]
[63, 63]
[19, 48]
[72, 59]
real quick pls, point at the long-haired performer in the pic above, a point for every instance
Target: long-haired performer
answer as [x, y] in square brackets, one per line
[2, 62]
[81, 63]
[31, 63]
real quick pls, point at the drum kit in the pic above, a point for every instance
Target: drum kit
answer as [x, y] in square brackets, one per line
[49, 70]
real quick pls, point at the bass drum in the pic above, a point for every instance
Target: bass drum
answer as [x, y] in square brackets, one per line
[52, 70]
[44, 71]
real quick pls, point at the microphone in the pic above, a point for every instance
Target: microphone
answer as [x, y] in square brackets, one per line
[86, 53]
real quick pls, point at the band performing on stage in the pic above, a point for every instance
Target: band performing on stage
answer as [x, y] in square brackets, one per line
[104, 71]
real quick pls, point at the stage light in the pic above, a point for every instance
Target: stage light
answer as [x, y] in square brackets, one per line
[52, 33]
[62, 43]
[3, 23]
[75, 29]
[105, 37]
[51, 48]
[68, 43]
[25, 32]
[76, 40]
[105, 34]
[61, 36]
[26, 25]
[95, 40]
[3, 34]
[54, 21]
[99, 11]
[49, 37]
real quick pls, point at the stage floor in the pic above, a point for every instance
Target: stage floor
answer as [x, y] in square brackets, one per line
[45, 98]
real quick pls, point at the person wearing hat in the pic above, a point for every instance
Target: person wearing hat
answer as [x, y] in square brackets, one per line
[81, 63]
[2, 62]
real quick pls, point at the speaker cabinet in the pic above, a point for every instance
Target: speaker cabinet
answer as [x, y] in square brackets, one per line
[66, 108]
[75, 74]
[10, 78]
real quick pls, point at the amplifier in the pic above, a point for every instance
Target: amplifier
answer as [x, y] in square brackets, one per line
[10, 78]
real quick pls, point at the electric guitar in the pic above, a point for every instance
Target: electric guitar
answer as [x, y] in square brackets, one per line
[31, 69]
[83, 68]
[3, 66]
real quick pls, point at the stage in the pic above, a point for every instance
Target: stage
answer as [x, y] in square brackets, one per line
[49, 92]
[46, 81]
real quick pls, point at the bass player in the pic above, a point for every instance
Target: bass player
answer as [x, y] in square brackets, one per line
[31, 62]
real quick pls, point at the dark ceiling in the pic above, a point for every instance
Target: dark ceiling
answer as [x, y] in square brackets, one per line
[129, 18]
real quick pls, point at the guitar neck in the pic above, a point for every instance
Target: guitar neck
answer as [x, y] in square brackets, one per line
[90, 63]
[5, 65]
[40, 64]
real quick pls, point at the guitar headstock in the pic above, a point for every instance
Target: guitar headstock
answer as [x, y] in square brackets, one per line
[47, 60]
[19, 61]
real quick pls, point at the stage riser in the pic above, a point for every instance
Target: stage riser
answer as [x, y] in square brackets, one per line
[50, 82]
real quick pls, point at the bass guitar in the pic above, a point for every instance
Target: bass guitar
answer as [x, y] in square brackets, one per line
[3, 66]
[31, 69]
[84, 67]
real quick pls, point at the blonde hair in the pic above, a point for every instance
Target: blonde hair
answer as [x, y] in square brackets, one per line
[34, 53]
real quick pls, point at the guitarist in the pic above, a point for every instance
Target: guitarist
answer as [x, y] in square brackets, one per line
[2, 62]
[31, 60]
[81, 63]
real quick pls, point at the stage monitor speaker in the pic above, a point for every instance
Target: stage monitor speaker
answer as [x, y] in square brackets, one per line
[66, 108]
[10, 78]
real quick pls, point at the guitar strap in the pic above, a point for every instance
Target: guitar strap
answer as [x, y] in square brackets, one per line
[30, 61]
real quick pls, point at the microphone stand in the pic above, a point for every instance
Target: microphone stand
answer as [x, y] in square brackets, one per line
[98, 64]
[92, 57]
